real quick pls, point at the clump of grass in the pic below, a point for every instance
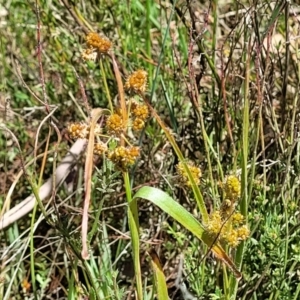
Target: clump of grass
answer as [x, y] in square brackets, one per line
[232, 112]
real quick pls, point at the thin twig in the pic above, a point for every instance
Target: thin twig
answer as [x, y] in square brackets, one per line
[95, 115]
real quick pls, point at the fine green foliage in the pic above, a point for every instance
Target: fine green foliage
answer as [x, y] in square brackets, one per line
[189, 184]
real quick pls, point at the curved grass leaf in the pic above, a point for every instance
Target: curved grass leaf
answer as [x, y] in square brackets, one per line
[187, 220]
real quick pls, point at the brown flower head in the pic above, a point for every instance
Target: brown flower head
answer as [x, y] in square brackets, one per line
[100, 148]
[124, 157]
[97, 42]
[227, 208]
[140, 111]
[183, 176]
[138, 124]
[78, 130]
[137, 81]
[115, 124]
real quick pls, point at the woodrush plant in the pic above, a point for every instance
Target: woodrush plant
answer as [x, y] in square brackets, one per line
[112, 141]
[249, 74]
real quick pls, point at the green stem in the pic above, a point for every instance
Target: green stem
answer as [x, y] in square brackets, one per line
[196, 191]
[149, 5]
[245, 145]
[133, 220]
[96, 224]
[111, 107]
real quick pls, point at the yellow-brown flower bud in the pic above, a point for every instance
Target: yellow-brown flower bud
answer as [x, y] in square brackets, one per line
[138, 124]
[115, 124]
[124, 157]
[183, 176]
[78, 130]
[97, 42]
[137, 81]
[232, 188]
[100, 148]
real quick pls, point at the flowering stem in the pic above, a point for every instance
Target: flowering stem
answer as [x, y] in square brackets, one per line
[120, 88]
[197, 193]
[245, 146]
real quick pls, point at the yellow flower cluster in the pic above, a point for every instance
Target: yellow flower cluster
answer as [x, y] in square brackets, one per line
[139, 113]
[80, 130]
[231, 238]
[96, 45]
[139, 110]
[97, 42]
[100, 148]
[232, 188]
[137, 81]
[183, 176]
[225, 223]
[230, 231]
[237, 219]
[234, 236]
[232, 191]
[138, 124]
[115, 124]
[214, 225]
[124, 157]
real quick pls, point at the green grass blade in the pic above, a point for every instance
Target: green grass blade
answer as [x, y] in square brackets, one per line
[187, 220]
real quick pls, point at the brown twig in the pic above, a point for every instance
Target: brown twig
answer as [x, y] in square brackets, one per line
[95, 115]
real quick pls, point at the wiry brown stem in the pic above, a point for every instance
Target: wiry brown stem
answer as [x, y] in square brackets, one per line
[95, 115]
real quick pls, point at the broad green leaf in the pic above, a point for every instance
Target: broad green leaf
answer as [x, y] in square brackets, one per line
[187, 220]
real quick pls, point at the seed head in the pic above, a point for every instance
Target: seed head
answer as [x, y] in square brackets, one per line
[232, 188]
[195, 171]
[139, 111]
[115, 124]
[138, 124]
[124, 157]
[78, 130]
[100, 148]
[137, 81]
[89, 54]
[94, 41]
